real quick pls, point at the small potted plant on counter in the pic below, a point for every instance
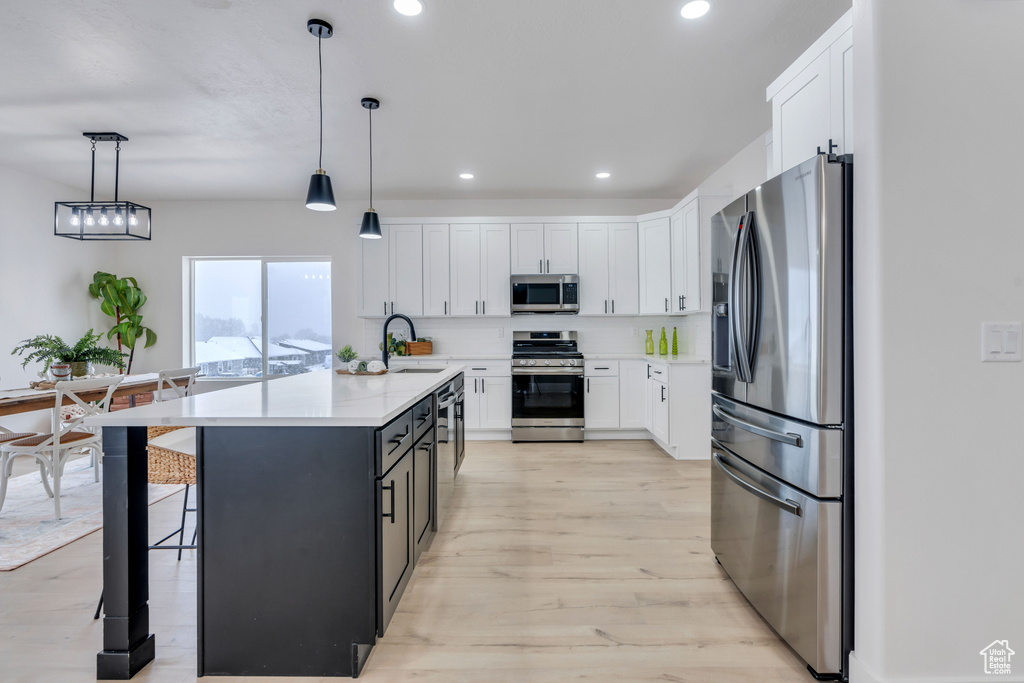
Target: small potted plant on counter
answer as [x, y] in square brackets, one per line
[346, 355]
[52, 350]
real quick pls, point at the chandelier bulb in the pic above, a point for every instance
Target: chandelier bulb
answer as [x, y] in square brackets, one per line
[76, 217]
[90, 218]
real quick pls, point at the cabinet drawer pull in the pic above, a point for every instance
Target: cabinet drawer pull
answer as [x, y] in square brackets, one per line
[398, 442]
[392, 490]
[602, 368]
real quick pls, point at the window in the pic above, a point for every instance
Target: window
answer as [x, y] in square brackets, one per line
[260, 317]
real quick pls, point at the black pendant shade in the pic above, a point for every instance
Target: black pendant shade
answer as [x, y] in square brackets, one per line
[320, 196]
[371, 226]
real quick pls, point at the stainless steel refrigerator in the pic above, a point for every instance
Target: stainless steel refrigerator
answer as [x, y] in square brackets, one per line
[782, 406]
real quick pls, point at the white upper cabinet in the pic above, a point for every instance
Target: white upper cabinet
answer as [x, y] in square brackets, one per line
[560, 250]
[436, 280]
[811, 100]
[608, 269]
[374, 284]
[479, 270]
[544, 248]
[405, 247]
[686, 262]
[655, 262]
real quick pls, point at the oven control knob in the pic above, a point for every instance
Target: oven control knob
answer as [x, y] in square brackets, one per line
[572, 361]
[522, 362]
[547, 362]
[562, 361]
[533, 362]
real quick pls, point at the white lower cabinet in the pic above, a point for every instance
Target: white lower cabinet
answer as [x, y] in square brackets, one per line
[632, 394]
[658, 402]
[601, 404]
[488, 399]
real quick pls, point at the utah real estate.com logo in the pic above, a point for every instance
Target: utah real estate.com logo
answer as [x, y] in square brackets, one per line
[997, 657]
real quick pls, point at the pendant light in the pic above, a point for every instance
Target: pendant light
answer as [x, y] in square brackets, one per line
[93, 220]
[370, 228]
[320, 196]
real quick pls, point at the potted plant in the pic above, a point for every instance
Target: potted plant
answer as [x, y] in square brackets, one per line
[52, 350]
[121, 299]
[347, 354]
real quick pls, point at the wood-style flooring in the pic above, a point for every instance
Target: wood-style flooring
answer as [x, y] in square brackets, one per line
[556, 562]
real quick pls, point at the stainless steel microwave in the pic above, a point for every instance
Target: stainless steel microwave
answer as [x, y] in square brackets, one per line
[545, 294]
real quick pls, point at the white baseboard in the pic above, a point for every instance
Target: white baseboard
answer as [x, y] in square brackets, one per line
[859, 673]
[615, 435]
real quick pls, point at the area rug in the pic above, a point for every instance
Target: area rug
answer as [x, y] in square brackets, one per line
[28, 529]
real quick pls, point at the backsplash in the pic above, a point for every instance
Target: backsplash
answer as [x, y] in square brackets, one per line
[597, 335]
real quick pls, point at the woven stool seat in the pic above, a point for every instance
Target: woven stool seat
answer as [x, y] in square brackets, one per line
[172, 458]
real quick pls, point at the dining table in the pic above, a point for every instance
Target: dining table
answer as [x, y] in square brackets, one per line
[24, 400]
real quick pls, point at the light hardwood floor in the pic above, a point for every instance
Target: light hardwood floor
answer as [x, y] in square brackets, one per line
[557, 562]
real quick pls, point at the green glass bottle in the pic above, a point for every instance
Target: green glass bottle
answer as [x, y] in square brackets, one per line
[663, 344]
[649, 344]
[675, 342]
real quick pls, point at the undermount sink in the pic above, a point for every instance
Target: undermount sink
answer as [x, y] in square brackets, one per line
[418, 370]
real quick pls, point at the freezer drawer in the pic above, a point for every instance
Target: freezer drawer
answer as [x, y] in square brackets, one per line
[807, 456]
[783, 550]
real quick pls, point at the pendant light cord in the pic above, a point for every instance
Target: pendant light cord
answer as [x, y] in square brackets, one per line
[370, 114]
[320, 62]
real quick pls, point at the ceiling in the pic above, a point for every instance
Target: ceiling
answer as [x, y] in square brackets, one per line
[219, 97]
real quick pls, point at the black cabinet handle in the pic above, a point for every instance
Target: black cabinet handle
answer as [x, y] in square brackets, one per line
[588, 385]
[663, 394]
[398, 442]
[482, 388]
[483, 308]
[392, 490]
[613, 306]
[648, 371]
[446, 308]
[426, 416]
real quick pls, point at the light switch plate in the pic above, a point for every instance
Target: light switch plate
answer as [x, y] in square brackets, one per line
[1001, 342]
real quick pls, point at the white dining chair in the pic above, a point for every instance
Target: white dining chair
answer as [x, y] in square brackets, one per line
[52, 450]
[171, 379]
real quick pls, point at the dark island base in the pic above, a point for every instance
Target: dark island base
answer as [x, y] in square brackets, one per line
[286, 572]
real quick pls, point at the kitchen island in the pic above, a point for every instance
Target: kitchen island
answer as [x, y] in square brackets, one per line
[316, 493]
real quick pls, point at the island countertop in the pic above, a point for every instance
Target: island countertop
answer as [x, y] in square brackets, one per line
[316, 399]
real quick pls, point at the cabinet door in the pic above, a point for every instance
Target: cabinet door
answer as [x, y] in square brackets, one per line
[561, 254]
[593, 268]
[465, 269]
[801, 115]
[841, 89]
[686, 259]
[632, 394]
[436, 282]
[406, 269]
[495, 287]
[396, 560]
[659, 409]
[655, 267]
[374, 284]
[423, 477]
[471, 405]
[527, 248]
[601, 404]
[495, 402]
[623, 268]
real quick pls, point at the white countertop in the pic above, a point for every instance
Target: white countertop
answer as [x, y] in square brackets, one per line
[448, 357]
[653, 358]
[316, 399]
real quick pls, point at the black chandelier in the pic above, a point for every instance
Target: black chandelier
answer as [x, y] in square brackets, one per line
[93, 220]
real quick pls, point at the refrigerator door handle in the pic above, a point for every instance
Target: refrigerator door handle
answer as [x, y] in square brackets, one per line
[788, 505]
[787, 438]
[756, 294]
[736, 309]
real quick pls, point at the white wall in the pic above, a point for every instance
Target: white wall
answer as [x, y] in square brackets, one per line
[742, 173]
[44, 278]
[938, 249]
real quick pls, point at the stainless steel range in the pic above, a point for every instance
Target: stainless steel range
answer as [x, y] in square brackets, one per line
[547, 387]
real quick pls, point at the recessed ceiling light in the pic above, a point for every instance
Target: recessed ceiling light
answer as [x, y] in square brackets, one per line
[466, 176]
[604, 174]
[692, 10]
[410, 8]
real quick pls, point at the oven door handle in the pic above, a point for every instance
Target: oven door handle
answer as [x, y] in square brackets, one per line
[548, 371]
